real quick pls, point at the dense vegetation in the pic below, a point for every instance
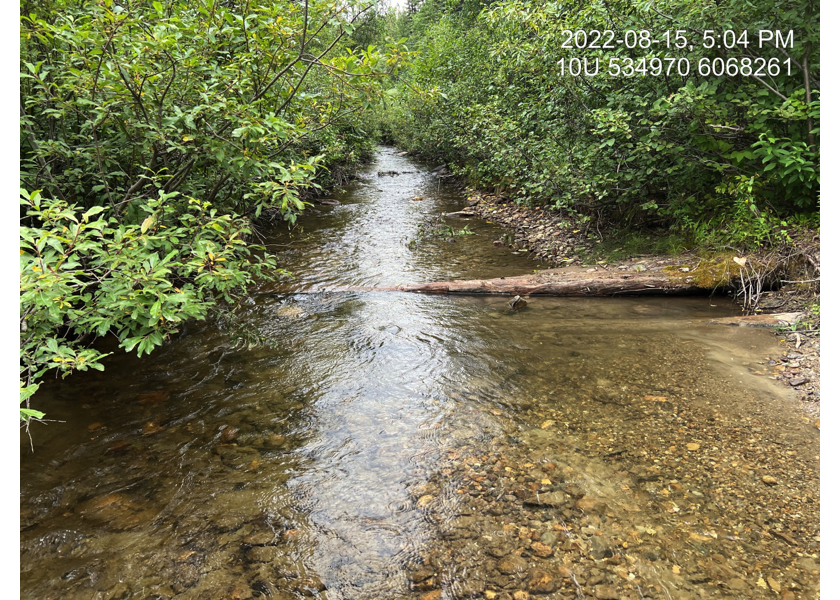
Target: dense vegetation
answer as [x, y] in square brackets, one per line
[152, 134]
[654, 137]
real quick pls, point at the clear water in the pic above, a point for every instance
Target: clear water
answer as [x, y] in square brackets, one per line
[393, 445]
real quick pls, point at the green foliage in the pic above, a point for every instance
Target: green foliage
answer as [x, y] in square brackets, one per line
[487, 94]
[84, 275]
[154, 132]
[809, 323]
[435, 228]
[26, 413]
[793, 166]
[622, 244]
[450, 231]
[749, 226]
[210, 100]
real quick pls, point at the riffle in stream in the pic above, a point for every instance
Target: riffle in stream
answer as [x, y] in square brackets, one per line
[393, 445]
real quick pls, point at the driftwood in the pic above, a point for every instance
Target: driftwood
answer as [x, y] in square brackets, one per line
[559, 282]
[566, 281]
[464, 212]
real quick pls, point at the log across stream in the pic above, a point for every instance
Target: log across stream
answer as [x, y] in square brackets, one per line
[562, 282]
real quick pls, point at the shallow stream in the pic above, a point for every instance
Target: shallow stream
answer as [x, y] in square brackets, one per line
[394, 445]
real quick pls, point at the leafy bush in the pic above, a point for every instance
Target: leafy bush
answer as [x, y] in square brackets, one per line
[236, 108]
[153, 132]
[84, 275]
[487, 93]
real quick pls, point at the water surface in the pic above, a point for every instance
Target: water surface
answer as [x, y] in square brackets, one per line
[393, 445]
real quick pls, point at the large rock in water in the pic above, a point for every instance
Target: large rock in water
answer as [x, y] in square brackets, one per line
[116, 512]
[541, 582]
[512, 565]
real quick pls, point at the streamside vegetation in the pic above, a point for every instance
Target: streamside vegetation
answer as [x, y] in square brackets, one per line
[696, 115]
[153, 134]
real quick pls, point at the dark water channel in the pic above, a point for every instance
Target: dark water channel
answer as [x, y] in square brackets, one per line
[391, 445]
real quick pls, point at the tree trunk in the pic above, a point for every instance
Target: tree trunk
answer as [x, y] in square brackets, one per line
[553, 282]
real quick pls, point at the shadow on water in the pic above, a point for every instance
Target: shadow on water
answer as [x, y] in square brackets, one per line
[391, 445]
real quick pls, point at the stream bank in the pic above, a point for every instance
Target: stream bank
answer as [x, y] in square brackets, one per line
[558, 241]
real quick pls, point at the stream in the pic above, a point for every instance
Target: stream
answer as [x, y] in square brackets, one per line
[392, 445]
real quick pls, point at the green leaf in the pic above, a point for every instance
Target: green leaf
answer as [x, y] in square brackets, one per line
[93, 211]
[147, 222]
[27, 413]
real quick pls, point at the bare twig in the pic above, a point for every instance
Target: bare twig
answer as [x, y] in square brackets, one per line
[36, 149]
[579, 590]
[770, 87]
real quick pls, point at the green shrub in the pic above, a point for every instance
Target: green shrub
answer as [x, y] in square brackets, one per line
[488, 93]
[83, 275]
[154, 132]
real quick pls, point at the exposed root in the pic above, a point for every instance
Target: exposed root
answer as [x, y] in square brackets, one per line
[796, 264]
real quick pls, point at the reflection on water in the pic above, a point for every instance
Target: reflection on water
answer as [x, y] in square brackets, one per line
[390, 445]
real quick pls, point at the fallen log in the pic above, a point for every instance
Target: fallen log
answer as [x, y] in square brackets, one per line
[707, 277]
[560, 282]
